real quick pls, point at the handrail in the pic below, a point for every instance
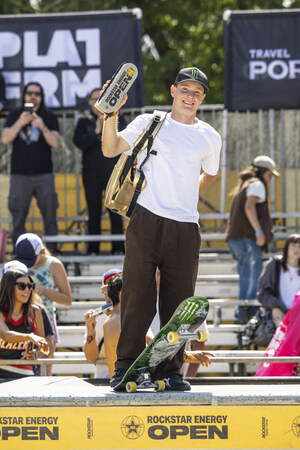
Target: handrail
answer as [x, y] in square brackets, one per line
[87, 279]
[216, 359]
[121, 237]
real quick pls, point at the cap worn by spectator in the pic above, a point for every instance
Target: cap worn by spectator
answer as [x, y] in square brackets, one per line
[28, 246]
[266, 163]
[192, 74]
[14, 265]
[110, 273]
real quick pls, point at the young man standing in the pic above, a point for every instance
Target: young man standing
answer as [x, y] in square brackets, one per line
[163, 231]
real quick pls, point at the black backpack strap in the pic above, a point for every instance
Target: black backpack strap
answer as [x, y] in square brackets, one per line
[146, 136]
[137, 192]
[149, 136]
[101, 343]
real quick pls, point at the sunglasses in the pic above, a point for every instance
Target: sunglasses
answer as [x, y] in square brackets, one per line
[37, 94]
[22, 286]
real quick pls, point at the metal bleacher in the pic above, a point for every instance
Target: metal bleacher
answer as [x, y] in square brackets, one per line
[217, 280]
[219, 284]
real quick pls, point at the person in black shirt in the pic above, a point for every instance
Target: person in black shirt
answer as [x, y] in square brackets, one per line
[32, 133]
[96, 170]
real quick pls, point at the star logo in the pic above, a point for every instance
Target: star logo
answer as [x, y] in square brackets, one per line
[132, 427]
[296, 426]
[130, 71]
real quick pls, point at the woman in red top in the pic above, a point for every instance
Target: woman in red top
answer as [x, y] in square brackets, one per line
[21, 323]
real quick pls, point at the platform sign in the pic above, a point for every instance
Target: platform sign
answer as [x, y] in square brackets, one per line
[69, 54]
[167, 427]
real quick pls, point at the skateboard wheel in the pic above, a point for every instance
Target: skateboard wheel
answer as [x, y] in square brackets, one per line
[202, 336]
[160, 385]
[131, 387]
[172, 337]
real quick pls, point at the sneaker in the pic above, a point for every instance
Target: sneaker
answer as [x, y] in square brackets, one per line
[117, 377]
[175, 382]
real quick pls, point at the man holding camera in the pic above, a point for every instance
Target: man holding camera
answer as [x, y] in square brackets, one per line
[33, 130]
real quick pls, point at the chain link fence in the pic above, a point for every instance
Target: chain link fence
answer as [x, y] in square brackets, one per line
[244, 134]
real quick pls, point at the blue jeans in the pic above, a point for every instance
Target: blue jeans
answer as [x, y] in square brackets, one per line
[249, 265]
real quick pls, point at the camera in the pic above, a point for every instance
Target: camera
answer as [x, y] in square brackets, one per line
[28, 107]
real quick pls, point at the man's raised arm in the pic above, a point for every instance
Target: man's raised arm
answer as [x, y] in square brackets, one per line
[112, 144]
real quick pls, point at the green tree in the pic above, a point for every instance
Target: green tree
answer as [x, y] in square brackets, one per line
[16, 7]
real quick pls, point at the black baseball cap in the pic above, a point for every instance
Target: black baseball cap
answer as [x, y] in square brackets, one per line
[192, 74]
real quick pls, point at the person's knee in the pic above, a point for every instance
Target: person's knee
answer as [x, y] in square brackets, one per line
[18, 206]
[49, 204]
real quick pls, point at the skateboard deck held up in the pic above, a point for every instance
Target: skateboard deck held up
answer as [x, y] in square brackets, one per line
[121, 82]
[188, 316]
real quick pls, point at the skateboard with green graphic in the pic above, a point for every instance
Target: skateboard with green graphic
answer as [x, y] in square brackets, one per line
[189, 315]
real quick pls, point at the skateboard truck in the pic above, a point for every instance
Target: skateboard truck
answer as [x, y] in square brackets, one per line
[173, 336]
[144, 382]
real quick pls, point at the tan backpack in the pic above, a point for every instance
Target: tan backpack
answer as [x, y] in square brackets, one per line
[127, 180]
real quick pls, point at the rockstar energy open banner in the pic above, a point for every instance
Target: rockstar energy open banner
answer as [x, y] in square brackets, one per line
[186, 427]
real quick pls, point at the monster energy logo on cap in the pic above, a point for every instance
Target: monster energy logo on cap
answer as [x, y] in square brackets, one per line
[192, 74]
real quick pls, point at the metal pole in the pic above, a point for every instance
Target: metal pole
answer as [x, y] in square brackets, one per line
[261, 131]
[77, 169]
[272, 153]
[223, 161]
[283, 160]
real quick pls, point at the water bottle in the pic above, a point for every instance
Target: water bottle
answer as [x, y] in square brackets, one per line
[35, 134]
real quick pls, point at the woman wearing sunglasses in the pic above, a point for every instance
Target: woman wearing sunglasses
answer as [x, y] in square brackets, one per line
[51, 279]
[21, 323]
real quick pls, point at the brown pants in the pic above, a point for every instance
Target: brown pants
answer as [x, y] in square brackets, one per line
[153, 241]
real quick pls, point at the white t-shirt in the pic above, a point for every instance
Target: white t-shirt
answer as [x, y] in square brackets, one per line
[172, 174]
[257, 189]
[289, 285]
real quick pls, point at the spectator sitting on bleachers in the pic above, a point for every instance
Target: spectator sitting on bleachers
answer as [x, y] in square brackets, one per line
[111, 326]
[280, 280]
[21, 321]
[285, 342]
[17, 265]
[50, 276]
[94, 337]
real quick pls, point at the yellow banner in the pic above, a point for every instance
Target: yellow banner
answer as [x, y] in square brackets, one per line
[182, 427]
